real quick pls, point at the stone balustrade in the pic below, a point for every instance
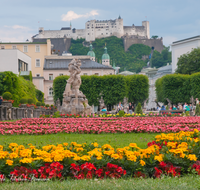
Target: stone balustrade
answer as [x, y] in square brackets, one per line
[13, 113]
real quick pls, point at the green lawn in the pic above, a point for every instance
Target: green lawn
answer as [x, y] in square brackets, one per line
[167, 183]
[117, 140]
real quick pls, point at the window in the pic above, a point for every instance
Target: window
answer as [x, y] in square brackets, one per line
[14, 47]
[96, 73]
[2, 47]
[84, 73]
[50, 76]
[25, 49]
[61, 74]
[37, 62]
[37, 75]
[88, 33]
[50, 91]
[37, 48]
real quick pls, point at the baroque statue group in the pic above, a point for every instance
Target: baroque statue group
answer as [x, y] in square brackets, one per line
[74, 101]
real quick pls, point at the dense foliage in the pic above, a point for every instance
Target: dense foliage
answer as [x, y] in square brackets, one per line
[189, 63]
[178, 88]
[130, 60]
[17, 86]
[39, 95]
[112, 87]
[138, 88]
[161, 59]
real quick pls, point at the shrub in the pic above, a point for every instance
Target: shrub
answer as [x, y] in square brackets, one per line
[47, 105]
[23, 101]
[30, 101]
[51, 105]
[42, 104]
[197, 111]
[7, 96]
[139, 109]
[121, 113]
[38, 103]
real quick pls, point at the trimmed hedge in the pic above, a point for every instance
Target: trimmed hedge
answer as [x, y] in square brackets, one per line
[113, 88]
[17, 86]
[178, 88]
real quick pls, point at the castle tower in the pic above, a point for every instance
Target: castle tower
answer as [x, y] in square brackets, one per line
[105, 57]
[91, 53]
[147, 30]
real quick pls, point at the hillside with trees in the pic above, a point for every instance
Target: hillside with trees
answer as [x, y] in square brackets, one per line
[130, 60]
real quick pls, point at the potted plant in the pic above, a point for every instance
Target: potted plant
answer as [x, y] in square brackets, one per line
[31, 103]
[23, 103]
[7, 99]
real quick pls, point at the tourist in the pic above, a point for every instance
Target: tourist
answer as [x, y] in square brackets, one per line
[163, 107]
[184, 106]
[180, 107]
[1, 100]
[174, 108]
[130, 108]
[187, 108]
[197, 101]
[104, 109]
[119, 107]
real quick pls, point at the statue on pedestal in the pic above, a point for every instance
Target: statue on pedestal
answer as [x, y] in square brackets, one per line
[74, 101]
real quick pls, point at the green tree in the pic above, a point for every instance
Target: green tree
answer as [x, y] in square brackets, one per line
[189, 63]
[154, 37]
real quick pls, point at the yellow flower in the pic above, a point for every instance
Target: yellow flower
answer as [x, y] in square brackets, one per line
[79, 149]
[26, 160]
[159, 157]
[1, 147]
[48, 160]
[9, 162]
[132, 158]
[196, 130]
[13, 155]
[58, 157]
[115, 156]
[142, 162]
[133, 145]
[192, 157]
[65, 144]
[95, 144]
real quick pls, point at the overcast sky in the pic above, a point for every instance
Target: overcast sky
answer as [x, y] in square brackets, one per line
[171, 19]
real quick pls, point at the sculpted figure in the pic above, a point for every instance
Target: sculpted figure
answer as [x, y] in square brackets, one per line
[73, 99]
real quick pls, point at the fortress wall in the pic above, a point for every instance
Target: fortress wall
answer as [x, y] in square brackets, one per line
[156, 43]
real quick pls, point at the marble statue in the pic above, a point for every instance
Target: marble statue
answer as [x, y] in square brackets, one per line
[74, 101]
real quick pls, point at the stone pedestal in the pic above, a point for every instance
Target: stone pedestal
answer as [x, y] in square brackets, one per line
[7, 104]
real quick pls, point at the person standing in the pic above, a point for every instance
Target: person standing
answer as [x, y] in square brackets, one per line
[1, 100]
[130, 108]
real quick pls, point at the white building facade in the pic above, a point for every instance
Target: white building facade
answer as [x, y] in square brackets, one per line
[15, 61]
[182, 47]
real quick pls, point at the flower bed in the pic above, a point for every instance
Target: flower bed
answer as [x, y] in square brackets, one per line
[100, 125]
[173, 154]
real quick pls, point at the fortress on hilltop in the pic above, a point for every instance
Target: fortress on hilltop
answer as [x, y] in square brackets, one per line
[105, 28]
[98, 29]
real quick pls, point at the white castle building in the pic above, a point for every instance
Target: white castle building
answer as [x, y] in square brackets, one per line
[98, 29]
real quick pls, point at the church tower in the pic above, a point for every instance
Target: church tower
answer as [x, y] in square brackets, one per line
[105, 57]
[91, 53]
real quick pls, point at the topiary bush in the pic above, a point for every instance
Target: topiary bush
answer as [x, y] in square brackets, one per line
[30, 101]
[47, 105]
[42, 104]
[23, 101]
[38, 103]
[121, 113]
[7, 96]
[139, 109]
